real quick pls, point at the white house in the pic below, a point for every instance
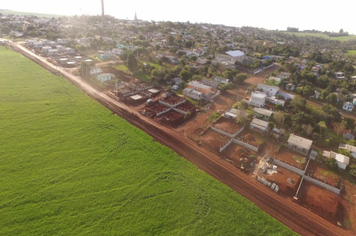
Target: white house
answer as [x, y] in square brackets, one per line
[339, 75]
[95, 70]
[342, 161]
[60, 48]
[258, 99]
[348, 106]
[63, 41]
[70, 50]
[221, 80]
[269, 90]
[52, 52]
[348, 147]
[236, 55]
[45, 49]
[105, 77]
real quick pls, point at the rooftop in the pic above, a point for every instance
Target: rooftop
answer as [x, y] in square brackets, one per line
[236, 53]
[300, 142]
[260, 124]
[263, 111]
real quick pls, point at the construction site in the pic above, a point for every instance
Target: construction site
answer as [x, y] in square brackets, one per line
[169, 110]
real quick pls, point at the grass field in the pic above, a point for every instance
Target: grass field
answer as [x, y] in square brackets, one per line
[351, 52]
[321, 35]
[71, 167]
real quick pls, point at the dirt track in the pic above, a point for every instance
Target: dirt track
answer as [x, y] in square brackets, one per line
[292, 215]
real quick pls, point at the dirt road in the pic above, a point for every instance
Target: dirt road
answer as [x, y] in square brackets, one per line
[292, 215]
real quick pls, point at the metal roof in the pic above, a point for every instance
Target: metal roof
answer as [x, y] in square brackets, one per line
[260, 124]
[262, 111]
[300, 142]
[236, 53]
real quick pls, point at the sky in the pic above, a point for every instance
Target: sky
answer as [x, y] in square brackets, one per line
[323, 15]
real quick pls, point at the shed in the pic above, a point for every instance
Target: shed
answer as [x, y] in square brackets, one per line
[300, 144]
[259, 125]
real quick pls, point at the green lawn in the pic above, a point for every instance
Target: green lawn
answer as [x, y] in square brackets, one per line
[71, 167]
[302, 34]
[351, 52]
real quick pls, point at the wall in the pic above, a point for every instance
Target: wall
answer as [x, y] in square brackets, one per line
[227, 134]
[226, 145]
[289, 167]
[253, 148]
[323, 185]
[180, 111]
[163, 112]
[170, 105]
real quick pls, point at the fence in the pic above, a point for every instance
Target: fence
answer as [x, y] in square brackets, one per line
[163, 112]
[226, 145]
[289, 167]
[246, 145]
[323, 185]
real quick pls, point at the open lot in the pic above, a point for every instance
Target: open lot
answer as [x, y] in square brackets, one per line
[292, 158]
[227, 125]
[212, 140]
[323, 175]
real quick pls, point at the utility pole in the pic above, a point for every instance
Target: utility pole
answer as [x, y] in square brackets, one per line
[102, 11]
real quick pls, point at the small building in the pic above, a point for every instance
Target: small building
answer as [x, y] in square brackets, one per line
[348, 106]
[342, 161]
[262, 113]
[69, 50]
[299, 144]
[176, 81]
[95, 70]
[60, 48]
[235, 113]
[339, 75]
[221, 80]
[258, 99]
[269, 90]
[105, 77]
[313, 154]
[259, 125]
[316, 95]
[284, 75]
[348, 135]
[213, 84]
[45, 49]
[290, 87]
[52, 52]
[207, 90]
[191, 93]
[236, 55]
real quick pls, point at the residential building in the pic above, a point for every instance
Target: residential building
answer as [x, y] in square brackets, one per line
[52, 52]
[342, 161]
[339, 75]
[348, 106]
[259, 125]
[236, 55]
[284, 75]
[208, 90]
[235, 113]
[221, 80]
[69, 50]
[262, 113]
[45, 49]
[95, 70]
[299, 144]
[269, 90]
[196, 95]
[290, 87]
[258, 99]
[211, 83]
[105, 77]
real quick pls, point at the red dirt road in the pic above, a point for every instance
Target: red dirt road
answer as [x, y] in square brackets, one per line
[292, 215]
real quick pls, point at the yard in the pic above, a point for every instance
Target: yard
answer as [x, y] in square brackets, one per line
[292, 158]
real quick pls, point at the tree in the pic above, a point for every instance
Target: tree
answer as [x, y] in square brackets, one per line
[324, 94]
[5, 30]
[157, 47]
[240, 78]
[243, 105]
[131, 62]
[308, 91]
[308, 129]
[331, 163]
[339, 128]
[331, 99]
[298, 103]
[228, 74]
[341, 31]
[184, 75]
[278, 118]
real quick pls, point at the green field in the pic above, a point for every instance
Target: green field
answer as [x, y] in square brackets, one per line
[71, 167]
[351, 52]
[321, 35]
[9, 12]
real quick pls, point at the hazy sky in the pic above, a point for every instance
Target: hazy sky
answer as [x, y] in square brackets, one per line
[330, 15]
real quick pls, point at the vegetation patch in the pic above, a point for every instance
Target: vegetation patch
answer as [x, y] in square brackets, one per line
[71, 167]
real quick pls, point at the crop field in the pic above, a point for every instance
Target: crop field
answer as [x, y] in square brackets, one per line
[71, 167]
[321, 35]
[351, 52]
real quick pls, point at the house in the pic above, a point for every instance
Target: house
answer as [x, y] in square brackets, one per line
[105, 77]
[52, 52]
[106, 55]
[191, 93]
[258, 99]
[269, 90]
[299, 144]
[37, 45]
[348, 147]
[348, 106]
[259, 125]
[342, 161]
[63, 41]
[236, 55]
[274, 80]
[316, 95]
[95, 70]
[211, 83]
[69, 50]
[315, 70]
[117, 51]
[221, 80]
[60, 48]
[262, 113]
[339, 75]
[349, 135]
[45, 49]
[235, 113]
[208, 90]
[354, 101]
